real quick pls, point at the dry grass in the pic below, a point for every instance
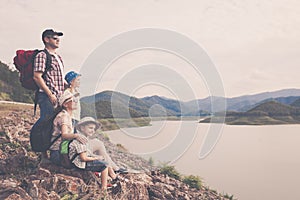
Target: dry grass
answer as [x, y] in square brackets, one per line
[6, 108]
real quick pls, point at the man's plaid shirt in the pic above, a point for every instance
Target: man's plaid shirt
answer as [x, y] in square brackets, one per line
[53, 78]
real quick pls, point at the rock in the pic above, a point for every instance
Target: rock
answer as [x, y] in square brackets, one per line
[42, 172]
[14, 193]
[8, 183]
[71, 184]
[14, 196]
[53, 196]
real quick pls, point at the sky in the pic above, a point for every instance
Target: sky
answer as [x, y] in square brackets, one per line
[254, 45]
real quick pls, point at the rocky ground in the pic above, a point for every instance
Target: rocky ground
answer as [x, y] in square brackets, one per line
[23, 177]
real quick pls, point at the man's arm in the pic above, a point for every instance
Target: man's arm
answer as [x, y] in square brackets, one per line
[37, 77]
[69, 136]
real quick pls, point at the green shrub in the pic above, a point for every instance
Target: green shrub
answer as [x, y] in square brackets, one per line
[121, 148]
[105, 136]
[151, 161]
[193, 181]
[170, 171]
[229, 196]
[70, 197]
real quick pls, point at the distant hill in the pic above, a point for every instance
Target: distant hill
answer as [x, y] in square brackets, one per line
[173, 107]
[296, 103]
[110, 104]
[244, 103]
[10, 86]
[270, 112]
[284, 100]
[273, 108]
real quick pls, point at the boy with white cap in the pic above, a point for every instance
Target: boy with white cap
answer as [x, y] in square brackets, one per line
[86, 160]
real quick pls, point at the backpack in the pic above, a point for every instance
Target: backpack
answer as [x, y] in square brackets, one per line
[41, 133]
[64, 150]
[24, 62]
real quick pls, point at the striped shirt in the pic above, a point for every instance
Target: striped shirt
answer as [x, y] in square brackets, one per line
[54, 76]
[77, 147]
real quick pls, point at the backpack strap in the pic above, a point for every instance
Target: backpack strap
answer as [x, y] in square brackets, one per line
[48, 67]
[75, 155]
[56, 111]
[48, 62]
[57, 137]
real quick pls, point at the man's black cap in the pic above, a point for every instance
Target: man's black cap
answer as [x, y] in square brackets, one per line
[51, 32]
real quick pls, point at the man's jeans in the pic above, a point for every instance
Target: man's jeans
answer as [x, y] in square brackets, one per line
[46, 107]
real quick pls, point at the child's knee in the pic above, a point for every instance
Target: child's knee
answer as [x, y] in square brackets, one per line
[105, 171]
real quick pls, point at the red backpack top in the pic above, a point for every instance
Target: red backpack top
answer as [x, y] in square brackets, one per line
[24, 62]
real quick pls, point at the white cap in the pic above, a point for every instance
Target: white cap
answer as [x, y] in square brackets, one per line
[87, 120]
[67, 95]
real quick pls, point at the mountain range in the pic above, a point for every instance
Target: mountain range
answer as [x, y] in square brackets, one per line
[108, 104]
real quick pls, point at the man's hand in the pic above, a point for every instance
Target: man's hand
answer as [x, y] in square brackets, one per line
[53, 99]
[42, 85]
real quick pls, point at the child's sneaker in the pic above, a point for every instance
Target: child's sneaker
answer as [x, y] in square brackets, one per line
[98, 174]
[111, 185]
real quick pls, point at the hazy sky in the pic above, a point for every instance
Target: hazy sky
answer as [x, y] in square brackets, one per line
[254, 44]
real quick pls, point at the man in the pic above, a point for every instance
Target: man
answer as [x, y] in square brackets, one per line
[51, 84]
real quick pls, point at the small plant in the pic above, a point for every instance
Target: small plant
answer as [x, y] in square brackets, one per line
[105, 136]
[14, 145]
[230, 197]
[70, 197]
[121, 147]
[170, 171]
[193, 181]
[151, 161]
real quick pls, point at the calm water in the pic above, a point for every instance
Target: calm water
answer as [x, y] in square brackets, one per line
[251, 162]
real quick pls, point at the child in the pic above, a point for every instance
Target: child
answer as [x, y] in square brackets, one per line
[62, 126]
[88, 126]
[86, 161]
[73, 80]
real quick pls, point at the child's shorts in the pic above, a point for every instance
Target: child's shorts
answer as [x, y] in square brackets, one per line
[96, 165]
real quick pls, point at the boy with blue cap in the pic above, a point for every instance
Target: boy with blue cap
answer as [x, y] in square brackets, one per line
[73, 80]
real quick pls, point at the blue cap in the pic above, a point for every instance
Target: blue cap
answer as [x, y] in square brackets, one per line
[70, 76]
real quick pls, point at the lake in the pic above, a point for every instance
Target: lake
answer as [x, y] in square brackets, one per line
[250, 162]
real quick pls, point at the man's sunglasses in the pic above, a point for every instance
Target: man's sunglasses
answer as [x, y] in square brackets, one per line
[54, 38]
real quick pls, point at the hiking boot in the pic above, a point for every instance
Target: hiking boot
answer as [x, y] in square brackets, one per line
[116, 180]
[98, 174]
[111, 185]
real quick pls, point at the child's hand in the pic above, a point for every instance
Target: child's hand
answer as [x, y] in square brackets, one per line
[99, 157]
[81, 138]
